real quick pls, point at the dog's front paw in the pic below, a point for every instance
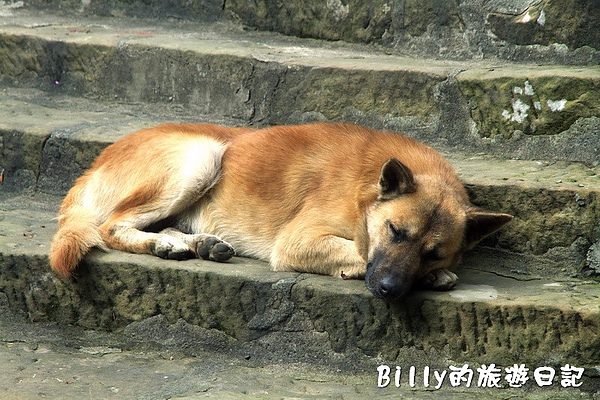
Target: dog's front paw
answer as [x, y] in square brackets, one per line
[168, 247]
[352, 272]
[439, 279]
[214, 249]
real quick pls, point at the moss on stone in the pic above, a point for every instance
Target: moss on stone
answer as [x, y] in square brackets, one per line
[540, 105]
[544, 218]
[19, 55]
[419, 15]
[385, 93]
[20, 152]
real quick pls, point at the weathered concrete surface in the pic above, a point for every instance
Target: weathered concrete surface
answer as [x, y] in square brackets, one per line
[179, 361]
[331, 20]
[546, 218]
[251, 81]
[48, 140]
[488, 318]
[204, 10]
[43, 144]
[257, 78]
[549, 31]
[545, 103]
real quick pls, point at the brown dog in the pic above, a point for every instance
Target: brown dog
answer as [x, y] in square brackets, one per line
[333, 199]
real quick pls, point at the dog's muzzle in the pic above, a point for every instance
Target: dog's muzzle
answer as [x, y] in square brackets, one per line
[391, 286]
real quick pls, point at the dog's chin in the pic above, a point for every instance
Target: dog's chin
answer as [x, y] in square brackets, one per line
[389, 299]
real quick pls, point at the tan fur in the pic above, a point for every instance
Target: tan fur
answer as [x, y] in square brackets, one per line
[304, 198]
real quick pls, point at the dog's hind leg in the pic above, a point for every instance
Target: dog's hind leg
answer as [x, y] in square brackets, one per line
[169, 243]
[180, 182]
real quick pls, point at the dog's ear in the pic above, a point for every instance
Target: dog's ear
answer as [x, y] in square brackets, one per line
[396, 179]
[481, 223]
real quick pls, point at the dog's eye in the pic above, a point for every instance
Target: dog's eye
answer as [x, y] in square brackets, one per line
[432, 256]
[399, 235]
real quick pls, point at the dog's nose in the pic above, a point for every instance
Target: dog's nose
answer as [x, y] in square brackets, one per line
[388, 289]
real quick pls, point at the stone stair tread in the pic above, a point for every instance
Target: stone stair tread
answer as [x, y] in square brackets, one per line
[227, 38]
[526, 173]
[215, 39]
[264, 78]
[34, 111]
[33, 219]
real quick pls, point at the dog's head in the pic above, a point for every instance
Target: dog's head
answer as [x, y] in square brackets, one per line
[418, 224]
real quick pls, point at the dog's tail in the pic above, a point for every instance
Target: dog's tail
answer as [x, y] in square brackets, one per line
[77, 233]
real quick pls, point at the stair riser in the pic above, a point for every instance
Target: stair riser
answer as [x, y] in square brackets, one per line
[109, 294]
[475, 111]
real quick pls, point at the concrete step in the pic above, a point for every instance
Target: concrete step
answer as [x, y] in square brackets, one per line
[488, 318]
[555, 203]
[547, 112]
[555, 31]
[49, 140]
